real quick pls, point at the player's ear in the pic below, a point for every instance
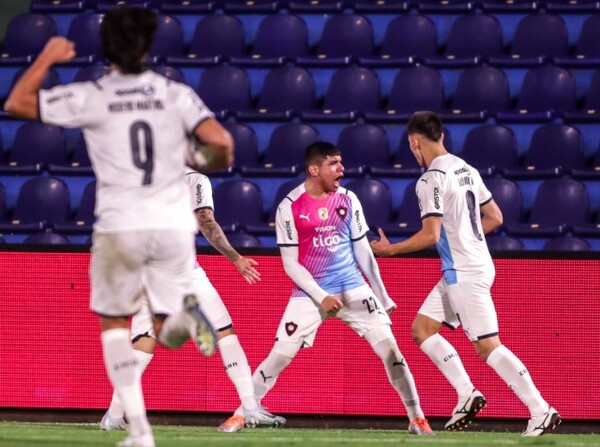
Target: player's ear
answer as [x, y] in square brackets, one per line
[313, 170]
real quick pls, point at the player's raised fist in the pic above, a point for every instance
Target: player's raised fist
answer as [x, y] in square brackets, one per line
[58, 49]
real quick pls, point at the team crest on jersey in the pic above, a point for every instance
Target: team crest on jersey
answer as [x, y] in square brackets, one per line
[323, 214]
[290, 328]
[342, 212]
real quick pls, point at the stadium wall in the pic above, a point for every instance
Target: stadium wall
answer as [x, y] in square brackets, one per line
[50, 354]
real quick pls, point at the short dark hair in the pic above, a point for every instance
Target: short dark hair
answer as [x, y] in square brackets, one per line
[427, 124]
[318, 151]
[127, 35]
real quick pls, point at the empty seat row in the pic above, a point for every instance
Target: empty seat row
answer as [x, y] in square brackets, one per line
[561, 207]
[552, 150]
[345, 39]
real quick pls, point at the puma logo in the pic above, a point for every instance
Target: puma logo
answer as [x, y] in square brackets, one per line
[264, 377]
[424, 180]
[400, 363]
[305, 216]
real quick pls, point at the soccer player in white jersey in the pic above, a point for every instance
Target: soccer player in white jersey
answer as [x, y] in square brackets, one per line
[137, 127]
[452, 198]
[232, 354]
[321, 233]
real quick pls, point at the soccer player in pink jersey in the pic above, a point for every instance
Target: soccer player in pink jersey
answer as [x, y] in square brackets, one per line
[321, 232]
[452, 199]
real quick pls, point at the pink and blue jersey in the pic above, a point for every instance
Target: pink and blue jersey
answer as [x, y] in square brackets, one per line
[323, 230]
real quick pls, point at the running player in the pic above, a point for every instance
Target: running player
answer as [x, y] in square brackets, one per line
[321, 232]
[452, 198]
[137, 126]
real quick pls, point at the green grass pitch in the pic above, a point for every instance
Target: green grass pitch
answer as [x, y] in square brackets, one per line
[19, 434]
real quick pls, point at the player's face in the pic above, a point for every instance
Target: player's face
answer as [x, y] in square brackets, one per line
[330, 173]
[414, 142]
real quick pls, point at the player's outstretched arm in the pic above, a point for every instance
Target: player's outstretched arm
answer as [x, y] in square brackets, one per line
[215, 236]
[23, 100]
[428, 235]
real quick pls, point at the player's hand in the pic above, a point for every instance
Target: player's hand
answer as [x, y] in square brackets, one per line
[246, 267]
[331, 304]
[382, 247]
[58, 49]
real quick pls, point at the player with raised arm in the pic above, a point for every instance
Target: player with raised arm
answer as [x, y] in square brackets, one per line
[321, 233]
[452, 198]
[137, 125]
[233, 356]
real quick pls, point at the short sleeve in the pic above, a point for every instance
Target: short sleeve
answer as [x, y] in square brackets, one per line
[284, 224]
[201, 191]
[358, 224]
[193, 109]
[430, 195]
[483, 194]
[65, 105]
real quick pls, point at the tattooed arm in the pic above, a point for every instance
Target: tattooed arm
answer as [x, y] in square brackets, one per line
[214, 234]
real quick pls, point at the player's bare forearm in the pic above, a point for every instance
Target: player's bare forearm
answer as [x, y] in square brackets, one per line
[214, 234]
[492, 217]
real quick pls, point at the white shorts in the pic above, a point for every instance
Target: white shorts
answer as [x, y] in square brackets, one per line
[124, 265]
[302, 318]
[210, 302]
[467, 303]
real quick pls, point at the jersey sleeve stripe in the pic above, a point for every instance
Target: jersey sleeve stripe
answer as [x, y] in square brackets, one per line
[436, 170]
[359, 237]
[287, 245]
[485, 202]
[432, 215]
[195, 126]
[203, 208]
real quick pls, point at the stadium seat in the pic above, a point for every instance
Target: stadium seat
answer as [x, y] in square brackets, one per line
[57, 6]
[382, 6]
[345, 38]
[216, 38]
[51, 79]
[510, 6]
[473, 38]
[567, 243]
[168, 39]
[547, 92]
[46, 238]
[554, 149]
[590, 171]
[501, 242]
[225, 89]
[84, 216]
[316, 6]
[444, 6]
[508, 197]
[279, 39]
[41, 201]
[246, 146]
[407, 39]
[538, 38]
[559, 204]
[237, 203]
[588, 229]
[491, 149]
[286, 92]
[91, 73]
[590, 111]
[250, 6]
[34, 147]
[587, 48]
[413, 89]
[572, 6]
[105, 5]
[284, 154]
[480, 92]
[408, 216]
[2, 203]
[187, 6]
[169, 72]
[352, 92]
[26, 36]
[84, 31]
[77, 164]
[243, 240]
[363, 145]
[376, 199]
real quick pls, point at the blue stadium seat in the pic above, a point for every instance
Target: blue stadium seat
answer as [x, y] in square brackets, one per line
[588, 229]
[408, 215]
[250, 6]
[590, 111]
[91, 73]
[169, 72]
[382, 6]
[376, 199]
[352, 92]
[407, 39]
[509, 199]
[84, 216]
[52, 79]
[284, 154]
[444, 6]
[77, 164]
[84, 31]
[414, 88]
[554, 149]
[46, 238]
[243, 240]
[34, 147]
[587, 48]
[187, 6]
[316, 6]
[590, 171]
[345, 38]
[362, 146]
[237, 203]
[491, 149]
[286, 92]
[57, 6]
[559, 205]
[572, 6]
[41, 202]
[2, 203]
[510, 6]
[26, 36]
[473, 39]
[225, 89]
[246, 146]
[567, 243]
[538, 38]
[168, 39]
[105, 5]
[501, 242]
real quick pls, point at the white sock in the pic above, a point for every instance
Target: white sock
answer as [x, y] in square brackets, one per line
[123, 371]
[513, 372]
[176, 330]
[399, 376]
[116, 408]
[238, 369]
[448, 362]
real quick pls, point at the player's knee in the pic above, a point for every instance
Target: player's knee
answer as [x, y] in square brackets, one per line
[286, 349]
[421, 331]
[379, 334]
